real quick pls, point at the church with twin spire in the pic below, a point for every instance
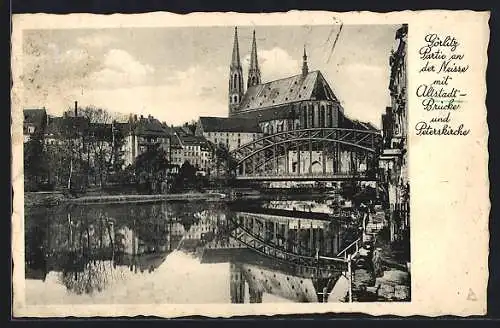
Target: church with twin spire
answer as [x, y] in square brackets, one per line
[305, 100]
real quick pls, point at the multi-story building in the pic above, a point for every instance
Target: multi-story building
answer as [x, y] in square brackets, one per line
[35, 122]
[194, 149]
[305, 100]
[143, 134]
[301, 101]
[394, 158]
[231, 132]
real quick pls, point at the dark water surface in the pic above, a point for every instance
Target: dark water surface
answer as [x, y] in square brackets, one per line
[184, 252]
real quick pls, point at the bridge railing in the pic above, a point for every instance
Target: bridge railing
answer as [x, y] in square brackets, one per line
[315, 174]
[351, 250]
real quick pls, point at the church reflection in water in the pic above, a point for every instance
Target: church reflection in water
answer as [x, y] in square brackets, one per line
[275, 253]
[271, 248]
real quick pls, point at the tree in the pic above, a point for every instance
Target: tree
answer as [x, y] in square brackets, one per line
[98, 141]
[191, 125]
[102, 144]
[117, 159]
[35, 162]
[226, 165]
[187, 175]
[150, 167]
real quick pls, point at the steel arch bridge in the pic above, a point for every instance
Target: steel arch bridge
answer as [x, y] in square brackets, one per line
[278, 156]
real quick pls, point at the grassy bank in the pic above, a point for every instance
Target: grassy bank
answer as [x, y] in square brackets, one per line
[143, 198]
[44, 198]
[58, 198]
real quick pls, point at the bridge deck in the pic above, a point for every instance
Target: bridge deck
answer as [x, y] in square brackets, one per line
[306, 177]
[284, 213]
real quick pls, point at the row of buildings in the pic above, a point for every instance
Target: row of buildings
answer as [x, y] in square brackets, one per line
[180, 143]
[393, 159]
[302, 101]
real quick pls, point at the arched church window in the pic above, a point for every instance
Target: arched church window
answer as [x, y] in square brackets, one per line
[253, 80]
[322, 116]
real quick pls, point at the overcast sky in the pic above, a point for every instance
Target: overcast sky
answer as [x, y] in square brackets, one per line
[178, 74]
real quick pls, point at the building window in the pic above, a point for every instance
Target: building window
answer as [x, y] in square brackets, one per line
[322, 116]
[310, 119]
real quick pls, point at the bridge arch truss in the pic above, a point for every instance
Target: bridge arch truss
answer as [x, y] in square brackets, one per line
[280, 153]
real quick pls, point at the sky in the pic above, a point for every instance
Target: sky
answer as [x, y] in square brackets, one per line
[177, 74]
[178, 280]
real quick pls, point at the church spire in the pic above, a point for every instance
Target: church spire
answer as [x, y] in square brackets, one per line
[305, 69]
[235, 61]
[253, 71]
[236, 87]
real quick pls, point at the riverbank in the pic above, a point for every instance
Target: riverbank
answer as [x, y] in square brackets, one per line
[381, 275]
[59, 198]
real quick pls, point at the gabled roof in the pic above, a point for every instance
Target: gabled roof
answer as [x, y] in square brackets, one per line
[357, 125]
[194, 140]
[288, 90]
[36, 118]
[66, 125]
[150, 127]
[101, 131]
[232, 124]
[32, 115]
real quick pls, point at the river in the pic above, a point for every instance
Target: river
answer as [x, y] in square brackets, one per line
[184, 252]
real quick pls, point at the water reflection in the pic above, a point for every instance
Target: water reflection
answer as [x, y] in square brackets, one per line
[99, 249]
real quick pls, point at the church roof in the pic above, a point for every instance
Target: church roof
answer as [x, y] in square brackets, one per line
[288, 90]
[232, 124]
[349, 123]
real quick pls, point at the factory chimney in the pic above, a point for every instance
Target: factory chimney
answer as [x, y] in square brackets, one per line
[76, 108]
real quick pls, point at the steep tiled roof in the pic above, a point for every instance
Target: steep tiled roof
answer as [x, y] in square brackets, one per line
[348, 123]
[150, 127]
[63, 126]
[101, 131]
[224, 124]
[36, 118]
[292, 89]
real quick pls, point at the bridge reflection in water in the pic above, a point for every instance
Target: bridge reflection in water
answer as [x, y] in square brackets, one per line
[271, 248]
[288, 253]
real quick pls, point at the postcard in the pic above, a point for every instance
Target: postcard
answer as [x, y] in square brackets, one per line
[226, 164]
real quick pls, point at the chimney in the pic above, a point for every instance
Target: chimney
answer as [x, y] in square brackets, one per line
[76, 108]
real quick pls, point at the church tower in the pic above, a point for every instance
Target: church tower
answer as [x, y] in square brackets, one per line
[253, 71]
[236, 88]
[305, 69]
